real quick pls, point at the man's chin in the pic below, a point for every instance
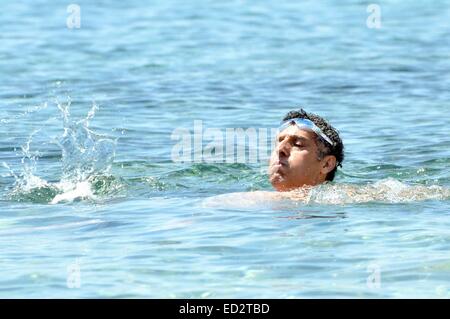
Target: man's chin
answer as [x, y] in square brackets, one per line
[278, 182]
[282, 185]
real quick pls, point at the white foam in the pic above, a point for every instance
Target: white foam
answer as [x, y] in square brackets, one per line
[81, 190]
[387, 190]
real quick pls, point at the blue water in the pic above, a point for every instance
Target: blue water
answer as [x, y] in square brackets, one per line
[87, 114]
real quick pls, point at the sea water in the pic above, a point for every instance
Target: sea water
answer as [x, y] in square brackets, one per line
[93, 204]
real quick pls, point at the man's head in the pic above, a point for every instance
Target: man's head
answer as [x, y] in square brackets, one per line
[302, 156]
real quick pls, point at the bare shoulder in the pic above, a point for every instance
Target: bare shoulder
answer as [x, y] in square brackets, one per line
[244, 199]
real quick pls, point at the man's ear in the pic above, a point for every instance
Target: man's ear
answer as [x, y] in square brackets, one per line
[328, 164]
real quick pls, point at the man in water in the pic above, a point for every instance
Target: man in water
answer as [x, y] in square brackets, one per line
[308, 152]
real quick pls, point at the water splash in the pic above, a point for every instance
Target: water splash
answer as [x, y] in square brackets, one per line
[28, 185]
[387, 190]
[84, 152]
[86, 161]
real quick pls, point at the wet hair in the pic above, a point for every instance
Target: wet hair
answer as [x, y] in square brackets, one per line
[337, 150]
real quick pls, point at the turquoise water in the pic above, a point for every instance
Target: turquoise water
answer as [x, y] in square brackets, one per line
[93, 205]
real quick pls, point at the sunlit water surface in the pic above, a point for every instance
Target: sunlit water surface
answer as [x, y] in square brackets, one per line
[92, 205]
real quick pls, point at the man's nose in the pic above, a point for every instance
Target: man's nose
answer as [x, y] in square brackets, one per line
[283, 149]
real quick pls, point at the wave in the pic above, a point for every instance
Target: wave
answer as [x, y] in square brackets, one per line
[386, 191]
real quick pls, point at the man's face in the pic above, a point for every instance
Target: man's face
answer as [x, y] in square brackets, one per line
[295, 161]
